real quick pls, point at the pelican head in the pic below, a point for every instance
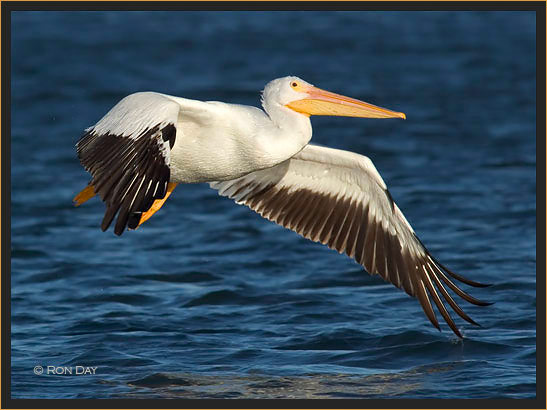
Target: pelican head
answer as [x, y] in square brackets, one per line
[302, 97]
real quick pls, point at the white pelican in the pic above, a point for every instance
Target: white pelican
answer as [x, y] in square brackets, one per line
[150, 142]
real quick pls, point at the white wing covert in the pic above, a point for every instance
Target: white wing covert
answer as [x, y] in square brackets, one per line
[128, 155]
[338, 198]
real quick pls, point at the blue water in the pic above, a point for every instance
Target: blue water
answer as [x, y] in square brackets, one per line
[208, 300]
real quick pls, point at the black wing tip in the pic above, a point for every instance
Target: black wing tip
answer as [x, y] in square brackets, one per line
[482, 285]
[469, 320]
[454, 329]
[435, 325]
[469, 281]
[151, 164]
[438, 269]
[461, 278]
[133, 221]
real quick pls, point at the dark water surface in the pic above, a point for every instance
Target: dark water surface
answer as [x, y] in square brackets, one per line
[209, 300]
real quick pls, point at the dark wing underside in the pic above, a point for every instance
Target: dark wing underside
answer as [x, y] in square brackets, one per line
[129, 161]
[337, 198]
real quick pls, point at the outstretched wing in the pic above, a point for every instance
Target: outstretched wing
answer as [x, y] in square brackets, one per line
[128, 155]
[338, 198]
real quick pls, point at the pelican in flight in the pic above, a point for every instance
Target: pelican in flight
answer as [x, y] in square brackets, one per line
[150, 142]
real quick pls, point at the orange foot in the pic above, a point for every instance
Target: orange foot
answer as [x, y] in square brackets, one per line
[158, 203]
[85, 194]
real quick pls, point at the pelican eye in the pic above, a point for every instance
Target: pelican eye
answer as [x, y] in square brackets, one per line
[294, 84]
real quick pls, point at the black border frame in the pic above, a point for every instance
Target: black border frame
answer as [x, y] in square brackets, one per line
[9, 6]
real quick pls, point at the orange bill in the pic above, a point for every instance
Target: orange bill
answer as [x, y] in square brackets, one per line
[321, 102]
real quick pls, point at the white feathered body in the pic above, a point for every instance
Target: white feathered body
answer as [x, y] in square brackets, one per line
[210, 147]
